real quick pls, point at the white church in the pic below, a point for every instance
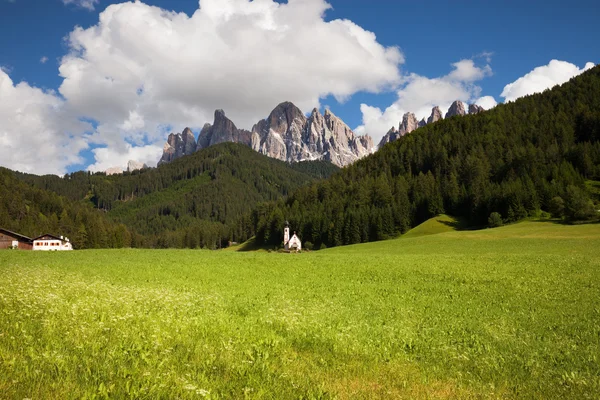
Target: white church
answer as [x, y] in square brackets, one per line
[293, 243]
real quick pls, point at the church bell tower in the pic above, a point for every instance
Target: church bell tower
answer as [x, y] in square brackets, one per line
[286, 233]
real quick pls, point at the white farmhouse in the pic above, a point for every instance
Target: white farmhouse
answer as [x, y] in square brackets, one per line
[293, 243]
[52, 243]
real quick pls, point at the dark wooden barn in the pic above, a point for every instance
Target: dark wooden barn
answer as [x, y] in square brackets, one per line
[10, 240]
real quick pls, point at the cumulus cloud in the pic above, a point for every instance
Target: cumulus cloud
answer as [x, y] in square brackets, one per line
[542, 78]
[38, 132]
[108, 158]
[487, 102]
[44, 60]
[87, 4]
[142, 69]
[419, 94]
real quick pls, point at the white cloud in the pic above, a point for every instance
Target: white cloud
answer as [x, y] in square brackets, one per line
[141, 68]
[44, 59]
[38, 132]
[420, 94]
[87, 4]
[108, 158]
[542, 78]
[487, 102]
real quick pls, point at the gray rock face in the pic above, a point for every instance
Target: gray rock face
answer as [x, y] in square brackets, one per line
[391, 136]
[457, 108]
[286, 134]
[114, 171]
[222, 130]
[475, 109]
[289, 136]
[135, 165]
[436, 115]
[178, 145]
[280, 135]
[170, 148]
[409, 120]
[409, 123]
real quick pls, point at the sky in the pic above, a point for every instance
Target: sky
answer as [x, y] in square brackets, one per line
[91, 84]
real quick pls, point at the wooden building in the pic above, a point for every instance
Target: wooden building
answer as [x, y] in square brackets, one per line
[12, 240]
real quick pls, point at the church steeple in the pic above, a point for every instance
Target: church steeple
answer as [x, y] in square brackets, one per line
[286, 233]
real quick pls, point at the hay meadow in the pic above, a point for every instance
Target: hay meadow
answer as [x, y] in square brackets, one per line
[505, 313]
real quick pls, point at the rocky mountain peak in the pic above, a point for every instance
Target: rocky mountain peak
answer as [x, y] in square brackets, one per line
[286, 134]
[133, 165]
[390, 136]
[409, 123]
[409, 120]
[284, 116]
[114, 171]
[221, 130]
[436, 115]
[475, 109]
[457, 108]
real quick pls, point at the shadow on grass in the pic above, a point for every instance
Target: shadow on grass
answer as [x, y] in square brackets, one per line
[250, 245]
[458, 224]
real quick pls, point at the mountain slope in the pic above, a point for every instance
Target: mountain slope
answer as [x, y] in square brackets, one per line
[33, 211]
[515, 160]
[207, 192]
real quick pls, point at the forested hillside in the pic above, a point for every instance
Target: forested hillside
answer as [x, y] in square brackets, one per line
[32, 212]
[201, 200]
[516, 159]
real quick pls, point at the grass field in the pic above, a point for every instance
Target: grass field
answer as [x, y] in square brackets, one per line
[512, 312]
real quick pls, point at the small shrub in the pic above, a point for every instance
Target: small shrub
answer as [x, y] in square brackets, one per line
[495, 220]
[308, 246]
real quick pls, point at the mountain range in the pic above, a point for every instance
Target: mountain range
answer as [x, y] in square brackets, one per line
[288, 135]
[409, 121]
[538, 154]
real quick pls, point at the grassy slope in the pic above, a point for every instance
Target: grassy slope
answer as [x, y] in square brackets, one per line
[499, 313]
[433, 226]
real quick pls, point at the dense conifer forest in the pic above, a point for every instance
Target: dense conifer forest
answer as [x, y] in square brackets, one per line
[202, 200]
[32, 212]
[503, 165]
[538, 154]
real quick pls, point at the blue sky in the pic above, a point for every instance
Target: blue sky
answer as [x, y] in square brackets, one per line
[502, 41]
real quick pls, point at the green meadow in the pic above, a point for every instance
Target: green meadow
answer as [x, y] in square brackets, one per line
[512, 312]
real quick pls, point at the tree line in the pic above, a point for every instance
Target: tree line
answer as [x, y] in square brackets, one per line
[517, 160]
[199, 201]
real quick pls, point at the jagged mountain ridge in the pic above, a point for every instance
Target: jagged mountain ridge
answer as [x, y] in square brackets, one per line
[286, 134]
[410, 123]
[132, 165]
